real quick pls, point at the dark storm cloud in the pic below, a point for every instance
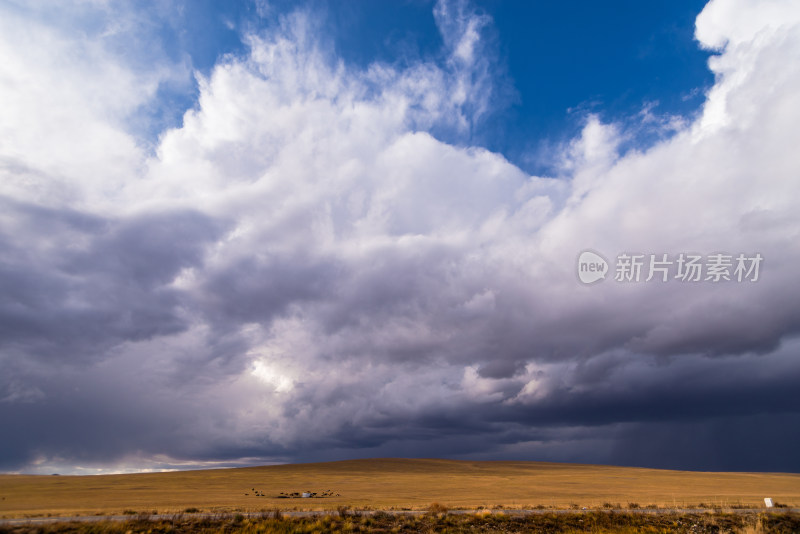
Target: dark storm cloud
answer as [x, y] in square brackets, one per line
[75, 285]
[295, 274]
[256, 289]
[147, 250]
[697, 406]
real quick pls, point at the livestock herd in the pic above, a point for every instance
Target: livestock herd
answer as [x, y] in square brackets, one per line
[295, 494]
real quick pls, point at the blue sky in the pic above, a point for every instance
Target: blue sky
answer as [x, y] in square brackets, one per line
[557, 61]
[237, 233]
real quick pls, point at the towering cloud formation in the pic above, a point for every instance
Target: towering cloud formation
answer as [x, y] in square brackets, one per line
[301, 270]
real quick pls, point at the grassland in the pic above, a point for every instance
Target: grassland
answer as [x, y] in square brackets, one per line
[391, 484]
[572, 522]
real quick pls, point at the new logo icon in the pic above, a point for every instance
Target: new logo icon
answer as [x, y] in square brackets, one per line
[591, 267]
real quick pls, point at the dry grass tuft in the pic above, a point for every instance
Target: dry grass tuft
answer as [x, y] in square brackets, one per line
[549, 522]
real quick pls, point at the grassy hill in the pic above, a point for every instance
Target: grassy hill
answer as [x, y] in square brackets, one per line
[391, 484]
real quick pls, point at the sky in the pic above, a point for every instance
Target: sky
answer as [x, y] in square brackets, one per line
[258, 232]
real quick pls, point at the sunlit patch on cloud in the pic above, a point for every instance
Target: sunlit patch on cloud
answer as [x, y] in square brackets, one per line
[270, 376]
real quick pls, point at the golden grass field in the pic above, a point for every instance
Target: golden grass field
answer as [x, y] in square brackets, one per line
[390, 484]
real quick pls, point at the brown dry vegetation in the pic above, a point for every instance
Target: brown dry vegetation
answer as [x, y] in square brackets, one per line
[392, 484]
[596, 522]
